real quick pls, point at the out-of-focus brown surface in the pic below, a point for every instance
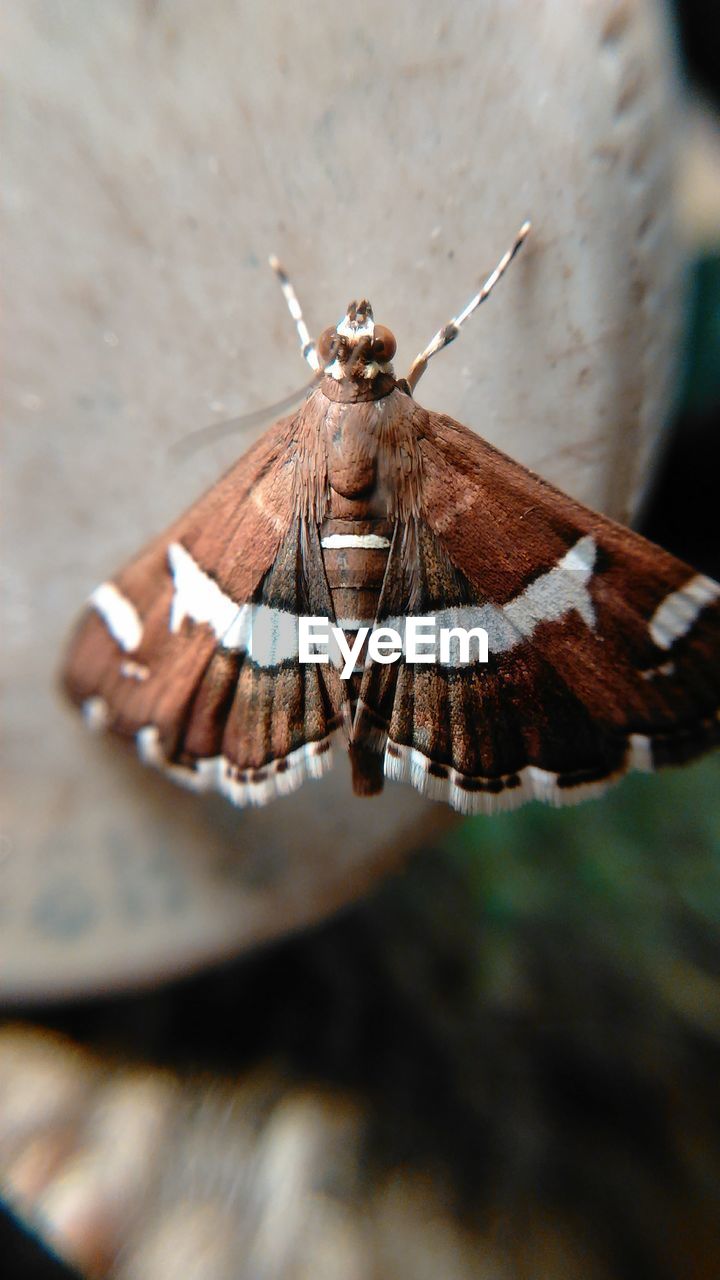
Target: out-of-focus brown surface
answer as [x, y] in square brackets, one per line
[502, 1065]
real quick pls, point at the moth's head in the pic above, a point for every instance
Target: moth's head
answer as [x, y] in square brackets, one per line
[356, 348]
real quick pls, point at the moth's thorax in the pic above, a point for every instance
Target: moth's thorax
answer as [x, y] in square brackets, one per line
[356, 390]
[353, 437]
[372, 453]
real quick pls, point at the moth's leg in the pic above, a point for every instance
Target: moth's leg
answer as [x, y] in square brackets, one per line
[450, 331]
[307, 344]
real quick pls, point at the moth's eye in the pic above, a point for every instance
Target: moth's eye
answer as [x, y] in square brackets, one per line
[327, 345]
[384, 345]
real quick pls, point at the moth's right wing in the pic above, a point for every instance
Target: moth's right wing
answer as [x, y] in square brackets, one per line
[603, 651]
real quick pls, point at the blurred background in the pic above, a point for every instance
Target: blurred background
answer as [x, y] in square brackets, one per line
[523, 1024]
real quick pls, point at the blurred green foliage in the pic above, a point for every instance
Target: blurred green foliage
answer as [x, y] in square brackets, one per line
[700, 388]
[633, 876]
[649, 834]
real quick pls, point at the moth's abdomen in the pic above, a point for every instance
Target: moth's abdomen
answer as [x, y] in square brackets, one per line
[355, 553]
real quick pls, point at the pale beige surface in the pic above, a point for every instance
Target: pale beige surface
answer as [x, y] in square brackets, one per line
[156, 153]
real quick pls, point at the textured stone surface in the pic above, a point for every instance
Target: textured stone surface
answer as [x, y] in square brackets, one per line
[157, 153]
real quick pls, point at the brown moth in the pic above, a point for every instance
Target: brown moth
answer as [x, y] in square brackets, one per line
[366, 510]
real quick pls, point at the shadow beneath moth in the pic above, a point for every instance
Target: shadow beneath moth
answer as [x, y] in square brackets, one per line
[364, 509]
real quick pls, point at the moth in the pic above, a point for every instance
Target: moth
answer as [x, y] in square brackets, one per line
[364, 509]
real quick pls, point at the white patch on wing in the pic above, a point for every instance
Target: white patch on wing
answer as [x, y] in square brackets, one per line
[269, 636]
[216, 773]
[557, 592]
[134, 670]
[640, 753]
[273, 636]
[366, 541]
[665, 669]
[96, 714]
[680, 610]
[198, 597]
[119, 615]
[549, 598]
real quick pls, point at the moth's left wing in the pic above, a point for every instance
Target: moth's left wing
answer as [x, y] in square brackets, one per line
[192, 649]
[603, 650]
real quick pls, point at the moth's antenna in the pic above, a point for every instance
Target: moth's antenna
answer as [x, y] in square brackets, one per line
[450, 331]
[218, 430]
[195, 440]
[306, 342]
